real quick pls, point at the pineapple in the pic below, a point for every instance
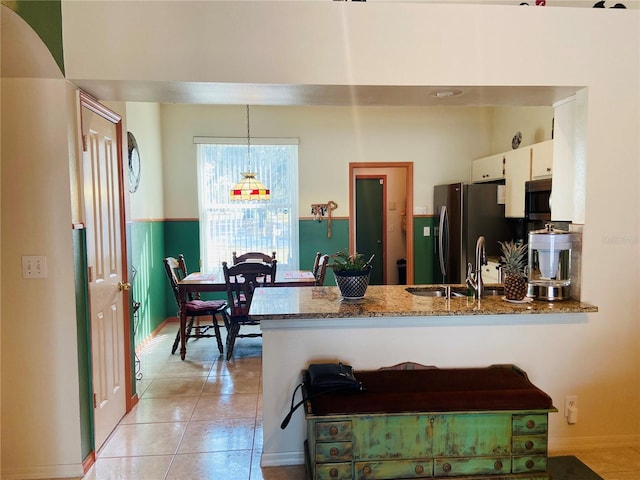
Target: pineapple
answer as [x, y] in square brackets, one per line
[515, 282]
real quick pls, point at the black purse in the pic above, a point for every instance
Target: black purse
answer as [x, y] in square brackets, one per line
[323, 378]
[331, 376]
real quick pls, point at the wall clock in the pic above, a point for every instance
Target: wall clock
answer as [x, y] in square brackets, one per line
[516, 140]
[134, 162]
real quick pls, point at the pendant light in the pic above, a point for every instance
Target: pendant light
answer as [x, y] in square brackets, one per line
[249, 188]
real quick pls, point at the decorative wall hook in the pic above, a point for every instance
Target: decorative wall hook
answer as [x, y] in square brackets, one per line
[320, 210]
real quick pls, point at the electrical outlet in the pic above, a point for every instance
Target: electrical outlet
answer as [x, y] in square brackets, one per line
[34, 266]
[426, 231]
[570, 401]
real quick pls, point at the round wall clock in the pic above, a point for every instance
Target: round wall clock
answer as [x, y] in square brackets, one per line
[516, 140]
[134, 162]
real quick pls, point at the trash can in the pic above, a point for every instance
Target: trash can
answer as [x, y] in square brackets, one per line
[402, 271]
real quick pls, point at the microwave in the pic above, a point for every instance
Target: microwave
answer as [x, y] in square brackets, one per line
[537, 201]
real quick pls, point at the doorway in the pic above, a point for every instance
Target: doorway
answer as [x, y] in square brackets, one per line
[398, 208]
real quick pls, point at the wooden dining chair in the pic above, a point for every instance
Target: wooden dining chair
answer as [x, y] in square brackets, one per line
[241, 280]
[320, 268]
[263, 257]
[195, 307]
[260, 257]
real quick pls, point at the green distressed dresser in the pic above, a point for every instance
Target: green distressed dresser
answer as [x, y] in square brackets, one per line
[485, 423]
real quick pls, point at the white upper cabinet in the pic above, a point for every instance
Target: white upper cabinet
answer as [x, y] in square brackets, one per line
[542, 160]
[517, 168]
[488, 169]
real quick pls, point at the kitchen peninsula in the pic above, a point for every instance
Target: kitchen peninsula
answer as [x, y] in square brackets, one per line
[303, 325]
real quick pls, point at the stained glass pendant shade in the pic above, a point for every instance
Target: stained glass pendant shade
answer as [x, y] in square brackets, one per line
[249, 188]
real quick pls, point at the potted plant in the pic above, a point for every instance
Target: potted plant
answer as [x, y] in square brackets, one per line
[351, 272]
[515, 281]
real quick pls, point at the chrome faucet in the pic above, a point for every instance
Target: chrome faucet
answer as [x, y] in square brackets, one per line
[474, 277]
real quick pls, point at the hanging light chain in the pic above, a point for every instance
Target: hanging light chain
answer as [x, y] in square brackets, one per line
[248, 140]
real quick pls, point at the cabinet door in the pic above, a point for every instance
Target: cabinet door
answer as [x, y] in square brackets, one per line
[472, 435]
[517, 168]
[384, 437]
[542, 160]
[487, 169]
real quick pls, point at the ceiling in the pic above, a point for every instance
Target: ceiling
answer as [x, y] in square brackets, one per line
[339, 95]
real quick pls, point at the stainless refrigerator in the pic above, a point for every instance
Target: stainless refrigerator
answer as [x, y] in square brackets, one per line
[464, 213]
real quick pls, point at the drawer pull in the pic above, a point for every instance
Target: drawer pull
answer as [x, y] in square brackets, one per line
[333, 431]
[334, 452]
[366, 470]
[446, 468]
[333, 473]
[529, 464]
[498, 465]
[419, 469]
[531, 424]
[528, 445]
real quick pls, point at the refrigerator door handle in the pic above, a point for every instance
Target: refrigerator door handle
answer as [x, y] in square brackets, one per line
[443, 241]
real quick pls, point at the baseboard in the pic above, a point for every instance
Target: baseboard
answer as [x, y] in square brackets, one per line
[88, 462]
[147, 340]
[565, 445]
[60, 472]
[281, 459]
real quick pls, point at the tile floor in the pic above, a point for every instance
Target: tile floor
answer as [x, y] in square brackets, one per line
[201, 418]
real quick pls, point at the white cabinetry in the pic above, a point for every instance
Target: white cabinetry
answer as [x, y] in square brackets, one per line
[517, 167]
[488, 169]
[542, 160]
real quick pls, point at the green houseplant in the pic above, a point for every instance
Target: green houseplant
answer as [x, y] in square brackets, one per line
[351, 272]
[514, 259]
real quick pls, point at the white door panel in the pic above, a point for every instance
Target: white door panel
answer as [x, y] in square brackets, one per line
[101, 192]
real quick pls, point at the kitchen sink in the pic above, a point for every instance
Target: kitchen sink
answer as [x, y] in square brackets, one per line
[438, 291]
[493, 290]
[456, 291]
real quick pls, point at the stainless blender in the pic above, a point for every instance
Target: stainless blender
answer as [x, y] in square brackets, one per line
[549, 264]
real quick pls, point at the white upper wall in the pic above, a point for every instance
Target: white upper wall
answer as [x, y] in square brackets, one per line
[143, 121]
[336, 43]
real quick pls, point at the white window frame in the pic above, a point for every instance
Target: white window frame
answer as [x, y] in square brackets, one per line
[287, 252]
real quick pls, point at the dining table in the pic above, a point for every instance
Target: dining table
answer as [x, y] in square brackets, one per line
[201, 282]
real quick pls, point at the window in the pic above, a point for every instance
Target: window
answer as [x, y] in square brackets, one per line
[260, 226]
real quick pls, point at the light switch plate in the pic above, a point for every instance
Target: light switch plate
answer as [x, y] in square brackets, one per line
[426, 231]
[34, 266]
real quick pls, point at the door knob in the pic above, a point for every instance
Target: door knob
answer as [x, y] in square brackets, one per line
[124, 286]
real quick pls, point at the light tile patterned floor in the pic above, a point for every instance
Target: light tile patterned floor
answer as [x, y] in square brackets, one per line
[201, 419]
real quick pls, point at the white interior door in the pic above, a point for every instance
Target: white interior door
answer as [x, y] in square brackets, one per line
[101, 193]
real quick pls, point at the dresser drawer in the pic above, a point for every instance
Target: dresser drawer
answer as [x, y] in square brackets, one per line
[333, 431]
[392, 469]
[529, 463]
[529, 444]
[334, 452]
[529, 424]
[333, 471]
[451, 467]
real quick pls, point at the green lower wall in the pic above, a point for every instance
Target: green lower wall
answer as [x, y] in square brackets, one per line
[182, 236]
[85, 390]
[313, 239]
[149, 242]
[146, 247]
